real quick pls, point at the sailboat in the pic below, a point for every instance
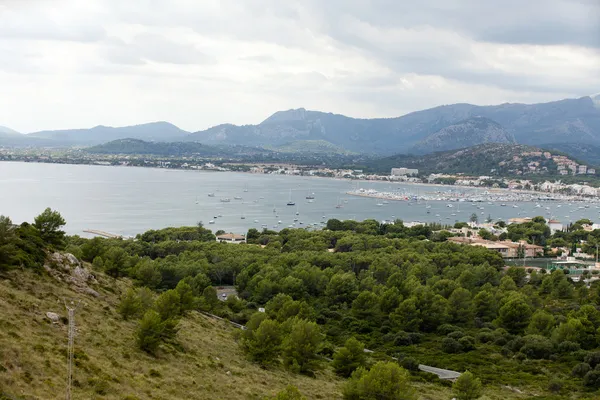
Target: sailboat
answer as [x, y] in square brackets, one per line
[246, 188]
[338, 205]
[196, 199]
[310, 196]
[290, 202]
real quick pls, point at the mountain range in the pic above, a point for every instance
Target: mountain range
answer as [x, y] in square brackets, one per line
[569, 121]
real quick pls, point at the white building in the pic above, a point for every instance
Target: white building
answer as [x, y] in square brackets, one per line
[231, 238]
[404, 171]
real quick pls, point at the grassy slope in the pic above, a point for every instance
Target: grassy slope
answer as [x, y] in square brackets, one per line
[33, 352]
[109, 366]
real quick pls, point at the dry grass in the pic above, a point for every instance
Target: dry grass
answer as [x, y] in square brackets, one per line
[206, 363]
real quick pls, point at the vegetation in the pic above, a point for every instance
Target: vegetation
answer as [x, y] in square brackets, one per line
[326, 295]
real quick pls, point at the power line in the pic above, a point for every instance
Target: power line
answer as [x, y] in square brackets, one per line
[71, 308]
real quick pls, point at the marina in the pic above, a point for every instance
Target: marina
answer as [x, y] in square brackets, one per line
[126, 200]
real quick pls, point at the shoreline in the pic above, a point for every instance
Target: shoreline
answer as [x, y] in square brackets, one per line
[427, 184]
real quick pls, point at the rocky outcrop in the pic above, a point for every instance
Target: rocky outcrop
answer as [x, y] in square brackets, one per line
[65, 267]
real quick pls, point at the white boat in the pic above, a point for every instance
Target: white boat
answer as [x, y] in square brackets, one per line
[256, 221]
[225, 199]
[385, 202]
[211, 222]
[290, 202]
[279, 222]
[211, 195]
[237, 197]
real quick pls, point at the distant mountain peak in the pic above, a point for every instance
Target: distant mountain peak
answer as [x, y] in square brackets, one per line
[297, 114]
[6, 130]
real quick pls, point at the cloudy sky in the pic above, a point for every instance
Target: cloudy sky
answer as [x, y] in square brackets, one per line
[198, 63]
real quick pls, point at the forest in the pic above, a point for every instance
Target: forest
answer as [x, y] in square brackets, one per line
[405, 294]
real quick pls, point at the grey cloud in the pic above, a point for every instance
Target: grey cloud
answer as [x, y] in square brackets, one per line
[155, 48]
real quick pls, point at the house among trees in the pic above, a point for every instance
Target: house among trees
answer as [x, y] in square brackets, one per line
[231, 238]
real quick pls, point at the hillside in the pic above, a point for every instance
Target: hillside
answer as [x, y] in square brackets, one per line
[494, 159]
[585, 152]
[470, 132]
[311, 146]
[7, 131]
[207, 363]
[570, 120]
[136, 146]
[155, 131]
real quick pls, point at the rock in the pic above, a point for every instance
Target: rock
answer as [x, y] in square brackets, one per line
[72, 259]
[90, 291]
[54, 317]
[228, 372]
[81, 274]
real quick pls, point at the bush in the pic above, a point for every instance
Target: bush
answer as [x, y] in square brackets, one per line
[467, 387]
[302, 345]
[592, 358]
[568, 347]
[385, 380]
[485, 337]
[581, 369]
[450, 345]
[446, 329]
[409, 364]
[592, 379]
[130, 304]
[467, 343]
[289, 393]
[537, 347]
[456, 335]
[402, 339]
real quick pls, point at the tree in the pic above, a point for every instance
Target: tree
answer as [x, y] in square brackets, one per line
[209, 296]
[167, 305]
[467, 387]
[514, 315]
[474, 218]
[542, 323]
[186, 296]
[460, 306]
[8, 239]
[350, 357]
[385, 380]
[150, 332]
[48, 223]
[262, 345]
[301, 346]
[130, 304]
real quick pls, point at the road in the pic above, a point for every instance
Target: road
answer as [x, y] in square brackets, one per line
[223, 292]
[441, 373]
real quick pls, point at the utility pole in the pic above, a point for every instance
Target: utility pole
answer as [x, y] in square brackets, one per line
[71, 308]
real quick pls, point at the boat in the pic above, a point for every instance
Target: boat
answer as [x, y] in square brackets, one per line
[211, 195]
[225, 200]
[237, 197]
[246, 189]
[264, 226]
[338, 205]
[290, 202]
[279, 222]
[502, 205]
[256, 221]
[385, 202]
[196, 199]
[310, 196]
[211, 222]
[243, 216]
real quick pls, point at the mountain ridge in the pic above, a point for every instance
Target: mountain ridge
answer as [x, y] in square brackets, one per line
[469, 132]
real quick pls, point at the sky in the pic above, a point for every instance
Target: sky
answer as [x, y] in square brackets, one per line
[199, 63]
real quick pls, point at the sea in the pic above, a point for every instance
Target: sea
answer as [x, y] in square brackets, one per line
[130, 200]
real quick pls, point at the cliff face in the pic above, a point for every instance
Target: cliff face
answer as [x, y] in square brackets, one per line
[470, 132]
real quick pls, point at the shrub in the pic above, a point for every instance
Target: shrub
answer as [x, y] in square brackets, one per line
[592, 358]
[568, 347]
[485, 337]
[385, 380]
[592, 379]
[456, 335]
[289, 393]
[537, 347]
[467, 343]
[130, 305]
[409, 363]
[467, 387]
[581, 369]
[445, 329]
[450, 345]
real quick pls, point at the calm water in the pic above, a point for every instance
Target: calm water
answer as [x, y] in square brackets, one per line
[127, 201]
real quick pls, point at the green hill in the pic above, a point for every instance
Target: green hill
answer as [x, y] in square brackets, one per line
[311, 146]
[493, 159]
